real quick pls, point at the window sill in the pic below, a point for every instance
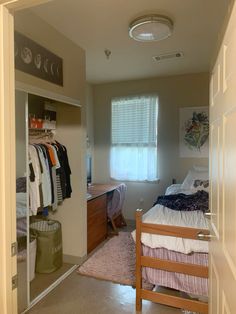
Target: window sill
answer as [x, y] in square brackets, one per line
[157, 181]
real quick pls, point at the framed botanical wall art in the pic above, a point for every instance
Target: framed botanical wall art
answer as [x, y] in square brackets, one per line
[36, 60]
[194, 132]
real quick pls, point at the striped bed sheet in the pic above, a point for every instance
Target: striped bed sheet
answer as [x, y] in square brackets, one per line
[189, 284]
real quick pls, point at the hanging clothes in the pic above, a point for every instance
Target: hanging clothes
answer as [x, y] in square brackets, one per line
[35, 180]
[67, 170]
[58, 181]
[46, 182]
[49, 176]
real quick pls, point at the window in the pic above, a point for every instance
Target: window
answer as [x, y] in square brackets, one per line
[133, 154]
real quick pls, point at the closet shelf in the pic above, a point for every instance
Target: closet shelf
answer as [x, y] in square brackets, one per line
[41, 129]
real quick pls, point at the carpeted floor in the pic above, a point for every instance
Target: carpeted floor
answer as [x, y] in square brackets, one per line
[115, 261]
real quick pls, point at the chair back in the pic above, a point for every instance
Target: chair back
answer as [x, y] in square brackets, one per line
[115, 204]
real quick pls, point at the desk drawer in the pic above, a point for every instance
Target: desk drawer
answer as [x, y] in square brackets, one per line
[97, 204]
[96, 221]
[96, 235]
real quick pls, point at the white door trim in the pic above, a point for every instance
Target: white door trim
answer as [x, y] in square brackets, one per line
[45, 93]
[8, 302]
[8, 297]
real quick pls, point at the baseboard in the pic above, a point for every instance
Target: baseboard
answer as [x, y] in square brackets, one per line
[130, 222]
[71, 259]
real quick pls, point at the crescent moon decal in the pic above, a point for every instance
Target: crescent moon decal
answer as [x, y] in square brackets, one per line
[52, 68]
[58, 70]
[38, 61]
[45, 65]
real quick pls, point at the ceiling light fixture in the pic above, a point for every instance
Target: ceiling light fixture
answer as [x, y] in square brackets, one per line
[150, 28]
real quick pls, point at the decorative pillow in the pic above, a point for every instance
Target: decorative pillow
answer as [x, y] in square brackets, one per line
[197, 180]
[200, 185]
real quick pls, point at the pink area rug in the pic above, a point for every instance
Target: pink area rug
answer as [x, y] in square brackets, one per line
[115, 262]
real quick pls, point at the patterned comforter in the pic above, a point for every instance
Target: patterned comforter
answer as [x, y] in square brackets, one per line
[196, 201]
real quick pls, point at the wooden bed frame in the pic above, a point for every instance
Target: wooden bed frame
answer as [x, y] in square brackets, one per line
[184, 268]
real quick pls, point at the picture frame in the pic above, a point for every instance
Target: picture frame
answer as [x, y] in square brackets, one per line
[34, 59]
[194, 132]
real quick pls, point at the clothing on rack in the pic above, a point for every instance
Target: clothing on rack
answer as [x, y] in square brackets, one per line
[49, 176]
[35, 180]
[67, 171]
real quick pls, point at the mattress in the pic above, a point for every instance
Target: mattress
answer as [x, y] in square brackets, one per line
[189, 284]
[160, 214]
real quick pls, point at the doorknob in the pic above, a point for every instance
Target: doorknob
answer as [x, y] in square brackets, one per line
[202, 236]
[209, 214]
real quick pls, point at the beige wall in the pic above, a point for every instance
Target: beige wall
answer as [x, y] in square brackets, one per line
[75, 243]
[89, 119]
[70, 213]
[173, 92]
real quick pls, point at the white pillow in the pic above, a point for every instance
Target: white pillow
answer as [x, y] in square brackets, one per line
[176, 189]
[200, 168]
[196, 180]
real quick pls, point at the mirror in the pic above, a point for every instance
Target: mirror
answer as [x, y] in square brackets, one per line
[21, 199]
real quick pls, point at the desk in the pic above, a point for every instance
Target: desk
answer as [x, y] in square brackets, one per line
[97, 214]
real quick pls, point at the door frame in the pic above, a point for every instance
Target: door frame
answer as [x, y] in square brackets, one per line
[8, 265]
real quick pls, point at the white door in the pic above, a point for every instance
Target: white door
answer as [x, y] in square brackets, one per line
[223, 175]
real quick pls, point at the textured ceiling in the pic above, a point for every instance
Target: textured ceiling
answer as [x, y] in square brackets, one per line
[96, 25]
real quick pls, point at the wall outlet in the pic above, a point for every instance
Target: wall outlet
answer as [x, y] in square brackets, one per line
[141, 200]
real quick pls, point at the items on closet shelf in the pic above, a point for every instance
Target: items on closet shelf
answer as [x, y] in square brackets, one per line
[46, 120]
[49, 176]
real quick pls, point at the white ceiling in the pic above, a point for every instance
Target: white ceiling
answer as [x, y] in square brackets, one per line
[96, 25]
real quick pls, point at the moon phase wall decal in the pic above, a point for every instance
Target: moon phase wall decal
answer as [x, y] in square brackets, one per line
[36, 60]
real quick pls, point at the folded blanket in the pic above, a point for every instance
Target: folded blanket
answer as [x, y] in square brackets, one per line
[196, 201]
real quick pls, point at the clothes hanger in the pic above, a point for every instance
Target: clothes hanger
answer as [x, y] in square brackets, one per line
[41, 136]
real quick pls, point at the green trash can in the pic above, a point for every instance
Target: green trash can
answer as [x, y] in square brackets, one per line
[49, 245]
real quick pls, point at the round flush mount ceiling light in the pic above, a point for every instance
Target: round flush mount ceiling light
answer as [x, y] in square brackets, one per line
[149, 28]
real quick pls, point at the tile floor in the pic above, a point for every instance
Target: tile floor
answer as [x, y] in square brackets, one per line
[83, 295]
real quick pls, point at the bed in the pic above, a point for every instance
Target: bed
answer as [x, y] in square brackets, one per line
[172, 251]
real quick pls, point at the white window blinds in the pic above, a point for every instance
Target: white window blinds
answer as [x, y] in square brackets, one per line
[134, 138]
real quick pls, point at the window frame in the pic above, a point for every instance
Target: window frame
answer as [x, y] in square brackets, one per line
[157, 180]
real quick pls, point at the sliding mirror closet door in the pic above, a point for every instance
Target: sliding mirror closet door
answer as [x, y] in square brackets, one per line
[48, 263]
[53, 132]
[21, 199]
[48, 163]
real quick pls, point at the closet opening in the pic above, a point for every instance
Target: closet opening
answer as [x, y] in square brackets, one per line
[48, 187]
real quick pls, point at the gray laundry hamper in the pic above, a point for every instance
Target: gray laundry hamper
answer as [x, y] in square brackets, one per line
[49, 245]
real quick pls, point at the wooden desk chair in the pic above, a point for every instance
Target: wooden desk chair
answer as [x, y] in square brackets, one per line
[114, 207]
